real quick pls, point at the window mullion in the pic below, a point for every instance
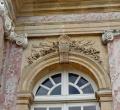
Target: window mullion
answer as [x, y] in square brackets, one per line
[64, 83]
[81, 107]
[77, 80]
[65, 107]
[52, 81]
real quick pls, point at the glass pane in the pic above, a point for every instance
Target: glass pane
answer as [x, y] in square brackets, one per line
[56, 91]
[82, 81]
[40, 108]
[72, 77]
[88, 89]
[74, 108]
[57, 78]
[56, 108]
[73, 90]
[48, 83]
[41, 91]
[90, 108]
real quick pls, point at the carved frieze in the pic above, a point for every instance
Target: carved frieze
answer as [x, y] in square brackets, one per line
[64, 46]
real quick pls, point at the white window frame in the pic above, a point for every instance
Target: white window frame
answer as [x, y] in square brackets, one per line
[65, 106]
[64, 98]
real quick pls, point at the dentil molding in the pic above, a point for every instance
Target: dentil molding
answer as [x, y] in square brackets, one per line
[20, 40]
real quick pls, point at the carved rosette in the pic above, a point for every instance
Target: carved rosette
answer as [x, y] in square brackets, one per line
[108, 36]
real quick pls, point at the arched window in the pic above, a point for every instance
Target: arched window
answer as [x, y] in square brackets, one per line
[65, 91]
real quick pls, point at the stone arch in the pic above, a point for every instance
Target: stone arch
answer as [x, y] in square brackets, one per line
[33, 72]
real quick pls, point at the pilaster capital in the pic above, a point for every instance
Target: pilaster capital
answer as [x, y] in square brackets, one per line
[109, 35]
[20, 39]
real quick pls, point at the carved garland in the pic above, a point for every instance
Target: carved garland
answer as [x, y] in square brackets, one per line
[63, 47]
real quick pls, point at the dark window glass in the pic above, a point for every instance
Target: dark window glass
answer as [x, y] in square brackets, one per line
[57, 78]
[88, 89]
[47, 83]
[74, 108]
[73, 90]
[82, 81]
[56, 91]
[90, 108]
[40, 108]
[56, 108]
[72, 77]
[41, 91]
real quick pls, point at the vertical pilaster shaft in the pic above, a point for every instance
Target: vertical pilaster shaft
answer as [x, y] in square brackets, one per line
[11, 71]
[1, 58]
[112, 38]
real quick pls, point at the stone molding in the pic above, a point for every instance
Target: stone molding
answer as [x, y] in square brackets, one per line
[109, 35]
[104, 95]
[10, 34]
[24, 98]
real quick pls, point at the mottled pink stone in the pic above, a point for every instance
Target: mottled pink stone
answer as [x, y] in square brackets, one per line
[1, 60]
[114, 64]
[11, 72]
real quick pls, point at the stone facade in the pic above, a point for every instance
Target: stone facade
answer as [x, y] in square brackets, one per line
[58, 41]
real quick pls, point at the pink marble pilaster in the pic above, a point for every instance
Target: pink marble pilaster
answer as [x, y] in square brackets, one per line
[114, 64]
[11, 71]
[1, 57]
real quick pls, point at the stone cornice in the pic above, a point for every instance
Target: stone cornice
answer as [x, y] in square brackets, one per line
[85, 23]
[67, 18]
[109, 35]
[10, 34]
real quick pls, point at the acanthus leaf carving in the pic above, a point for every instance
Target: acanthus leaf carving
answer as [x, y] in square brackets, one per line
[63, 48]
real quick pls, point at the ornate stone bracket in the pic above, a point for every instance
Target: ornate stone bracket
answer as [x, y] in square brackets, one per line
[63, 47]
[20, 40]
[108, 36]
